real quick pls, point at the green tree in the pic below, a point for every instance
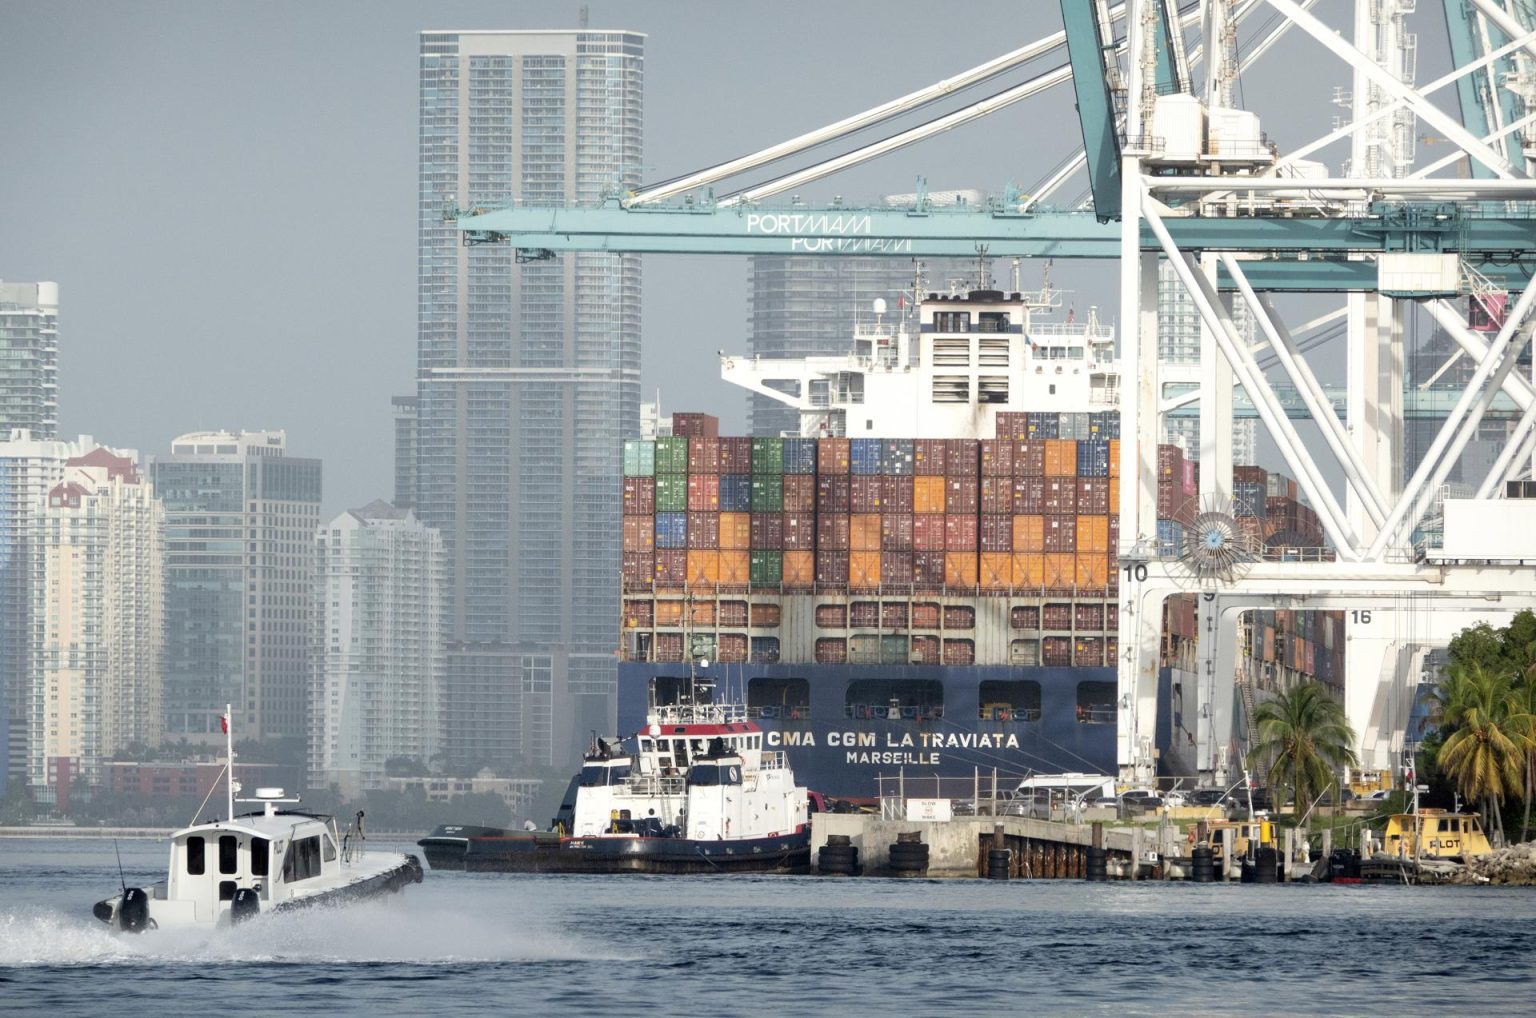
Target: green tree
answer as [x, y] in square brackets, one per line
[1305, 739]
[1488, 738]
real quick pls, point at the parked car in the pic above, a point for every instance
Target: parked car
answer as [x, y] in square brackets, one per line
[1139, 800]
[1207, 797]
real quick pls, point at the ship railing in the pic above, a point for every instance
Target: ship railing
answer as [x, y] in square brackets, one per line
[774, 760]
[701, 713]
[657, 784]
[1009, 713]
[889, 712]
[1097, 714]
[779, 712]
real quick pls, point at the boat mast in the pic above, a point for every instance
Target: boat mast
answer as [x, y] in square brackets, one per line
[229, 759]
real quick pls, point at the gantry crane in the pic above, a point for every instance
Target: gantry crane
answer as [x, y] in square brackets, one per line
[1178, 172]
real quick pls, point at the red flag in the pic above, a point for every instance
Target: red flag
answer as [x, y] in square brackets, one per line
[224, 723]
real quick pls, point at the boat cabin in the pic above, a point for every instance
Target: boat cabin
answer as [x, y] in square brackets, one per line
[1435, 834]
[274, 855]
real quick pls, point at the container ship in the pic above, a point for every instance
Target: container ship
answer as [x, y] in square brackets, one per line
[940, 605]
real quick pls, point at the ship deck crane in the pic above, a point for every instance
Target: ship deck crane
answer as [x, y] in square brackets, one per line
[1238, 224]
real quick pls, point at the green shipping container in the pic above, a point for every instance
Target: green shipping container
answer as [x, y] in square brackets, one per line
[671, 493]
[893, 650]
[767, 493]
[639, 458]
[767, 569]
[671, 455]
[767, 455]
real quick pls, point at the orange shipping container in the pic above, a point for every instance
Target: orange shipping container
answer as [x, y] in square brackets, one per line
[703, 568]
[669, 613]
[1060, 570]
[1060, 457]
[864, 532]
[1029, 533]
[928, 494]
[799, 569]
[960, 569]
[1114, 460]
[735, 531]
[1092, 571]
[702, 613]
[1092, 535]
[864, 570]
[832, 456]
[1028, 570]
[996, 570]
[735, 568]
[1114, 494]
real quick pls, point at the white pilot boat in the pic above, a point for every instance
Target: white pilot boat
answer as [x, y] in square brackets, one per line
[227, 871]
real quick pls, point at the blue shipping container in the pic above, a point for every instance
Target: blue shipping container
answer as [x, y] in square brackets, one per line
[735, 493]
[671, 530]
[1093, 457]
[1249, 498]
[896, 457]
[1044, 425]
[1170, 538]
[799, 455]
[864, 455]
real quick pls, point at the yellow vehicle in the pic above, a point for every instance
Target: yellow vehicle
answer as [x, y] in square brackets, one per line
[1240, 833]
[1434, 834]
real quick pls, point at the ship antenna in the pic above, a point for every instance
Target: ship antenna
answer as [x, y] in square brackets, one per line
[122, 881]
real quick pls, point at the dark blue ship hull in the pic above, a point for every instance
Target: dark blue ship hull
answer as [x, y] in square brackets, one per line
[843, 749]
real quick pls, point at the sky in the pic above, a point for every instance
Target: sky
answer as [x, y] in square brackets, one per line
[226, 192]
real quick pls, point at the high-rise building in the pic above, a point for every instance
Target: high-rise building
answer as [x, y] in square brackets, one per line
[379, 660]
[29, 468]
[96, 686]
[240, 520]
[404, 414]
[528, 379]
[1178, 345]
[29, 358]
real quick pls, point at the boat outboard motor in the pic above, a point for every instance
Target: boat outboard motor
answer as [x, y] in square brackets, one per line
[133, 911]
[246, 904]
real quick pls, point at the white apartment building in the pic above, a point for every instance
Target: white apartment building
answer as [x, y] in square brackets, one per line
[96, 687]
[379, 586]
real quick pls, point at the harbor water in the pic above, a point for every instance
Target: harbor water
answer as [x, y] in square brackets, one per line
[771, 946]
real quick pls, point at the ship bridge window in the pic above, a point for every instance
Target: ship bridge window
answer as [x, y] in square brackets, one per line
[992, 321]
[598, 775]
[952, 321]
[1010, 701]
[1096, 703]
[894, 700]
[726, 773]
[779, 698]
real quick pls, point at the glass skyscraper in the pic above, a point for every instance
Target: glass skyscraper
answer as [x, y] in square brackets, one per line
[29, 359]
[528, 380]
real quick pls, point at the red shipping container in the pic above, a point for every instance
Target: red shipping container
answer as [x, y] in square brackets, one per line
[703, 455]
[996, 457]
[735, 456]
[671, 567]
[896, 572]
[799, 531]
[928, 532]
[1089, 616]
[691, 425]
[639, 570]
[1056, 651]
[1056, 617]
[928, 457]
[996, 494]
[832, 569]
[997, 534]
[767, 531]
[704, 531]
[895, 494]
[1012, 424]
[799, 493]
[896, 530]
[831, 650]
[959, 652]
[961, 458]
[639, 496]
[1029, 496]
[1029, 458]
[833, 493]
[1250, 475]
[639, 533]
[960, 494]
[925, 614]
[864, 493]
[1061, 534]
[704, 493]
[1093, 495]
[960, 533]
[893, 614]
[832, 456]
[927, 570]
[1060, 495]
[1170, 462]
[831, 532]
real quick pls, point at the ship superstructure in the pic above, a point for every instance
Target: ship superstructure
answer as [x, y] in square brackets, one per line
[939, 604]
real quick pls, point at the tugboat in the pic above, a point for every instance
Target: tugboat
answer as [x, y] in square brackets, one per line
[698, 794]
[225, 872]
[1425, 847]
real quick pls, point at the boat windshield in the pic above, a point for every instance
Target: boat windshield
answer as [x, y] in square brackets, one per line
[597, 775]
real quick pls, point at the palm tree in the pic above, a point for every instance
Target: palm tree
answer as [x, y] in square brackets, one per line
[1489, 736]
[1305, 738]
